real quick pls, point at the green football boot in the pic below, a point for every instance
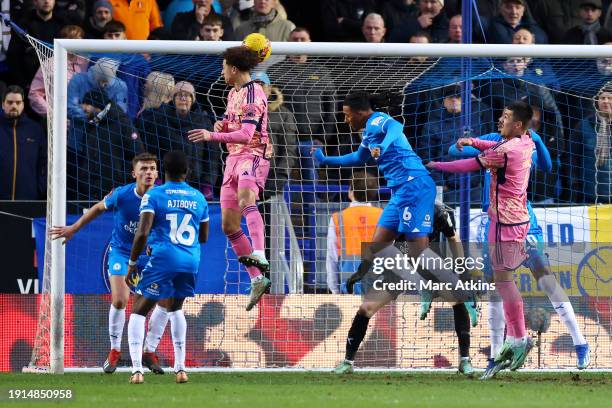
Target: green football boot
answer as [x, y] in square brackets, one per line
[343, 368]
[520, 352]
[465, 367]
[472, 310]
[426, 298]
[258, 288]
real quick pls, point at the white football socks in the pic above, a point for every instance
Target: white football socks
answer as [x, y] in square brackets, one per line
[178, 327]
[136, 329]
[497, 324]
[116, 321]
[260, 253]
[157, 325]
[562, 305]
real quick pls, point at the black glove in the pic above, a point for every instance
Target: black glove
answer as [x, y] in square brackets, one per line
[363, 268]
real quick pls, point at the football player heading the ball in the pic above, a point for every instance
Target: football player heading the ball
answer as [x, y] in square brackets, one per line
[244, 130]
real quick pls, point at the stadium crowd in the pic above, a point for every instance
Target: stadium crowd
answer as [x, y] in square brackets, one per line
[119, 105]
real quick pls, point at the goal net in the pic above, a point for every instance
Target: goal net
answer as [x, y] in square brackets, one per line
[122, 104]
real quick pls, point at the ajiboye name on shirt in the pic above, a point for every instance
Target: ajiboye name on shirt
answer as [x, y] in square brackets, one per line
[192, 205]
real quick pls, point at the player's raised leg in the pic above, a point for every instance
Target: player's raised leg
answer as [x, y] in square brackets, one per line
[242, 247]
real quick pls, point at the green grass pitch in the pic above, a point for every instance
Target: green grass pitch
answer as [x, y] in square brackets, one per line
[320, 390]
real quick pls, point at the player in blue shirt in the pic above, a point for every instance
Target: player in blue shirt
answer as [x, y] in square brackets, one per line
[174, 220]
[537, 262]
[410, 210]
[124, 202]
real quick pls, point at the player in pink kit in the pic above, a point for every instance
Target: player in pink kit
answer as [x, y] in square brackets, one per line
[244, 130]
[509, 162]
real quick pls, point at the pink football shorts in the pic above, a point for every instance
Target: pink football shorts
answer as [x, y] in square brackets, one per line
[243, 171]
[507, 245]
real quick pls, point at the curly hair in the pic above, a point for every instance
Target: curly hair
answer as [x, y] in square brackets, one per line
[243, 58]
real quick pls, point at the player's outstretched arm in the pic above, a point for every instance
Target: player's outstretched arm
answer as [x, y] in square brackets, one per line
[67, 232]
[203, 237]
[457, 166]
[357, 158]
[240, 136]
[470, 151]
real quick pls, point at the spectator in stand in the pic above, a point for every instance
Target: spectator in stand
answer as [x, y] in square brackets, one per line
[511, 18]
[592, 152]
[396, 11]
[187, 25]
[139, 17]
[71, 11]
[212, 29]
[23, 151]
[283, 136]
[110, 142]
[158, 90]
[373, 28]
[132, 70]
[420, 37]
[76, 64]
[442, 129]
[114, 30]
[159, 34]
[41, 23]
[100, 78]
[240, 12]
[590, 30]
[102, 14]
[538, 69]
[556, 17]
[165, 128]
[267, 21]
[604, 66]
[342, 19]
[455, 29]
[429, 18]
[5, 40]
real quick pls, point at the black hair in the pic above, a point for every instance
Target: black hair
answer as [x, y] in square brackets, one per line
[159, 34]
[363, 101]
[114, 26]
[521, 111]
[300, 30]
[15, 89]
[423, 34]
[176, 164]
[241, 57]
[451, 90]
[212, 20]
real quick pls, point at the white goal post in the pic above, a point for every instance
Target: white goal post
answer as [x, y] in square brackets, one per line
[58, 168]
